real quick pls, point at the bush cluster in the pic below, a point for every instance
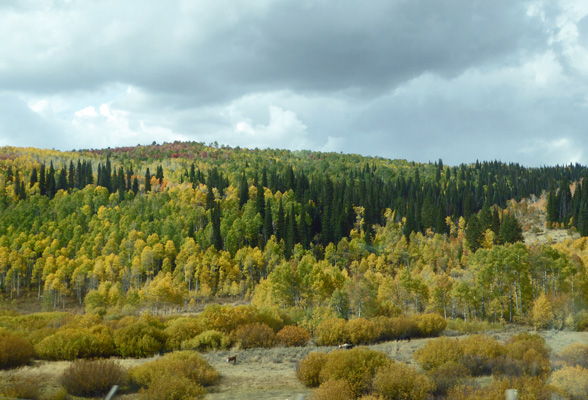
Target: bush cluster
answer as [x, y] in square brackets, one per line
[399, 381]
[15, 351]
[20, 387]
[92, 377]
[334, 331]
[293, 336]
[139, 339]
[575, 354]
[527, 388]
[571, 382]
[208, 340]
[71, 344]
[254, 335]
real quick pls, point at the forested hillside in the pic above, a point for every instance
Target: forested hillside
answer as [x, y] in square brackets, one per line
[173, 224]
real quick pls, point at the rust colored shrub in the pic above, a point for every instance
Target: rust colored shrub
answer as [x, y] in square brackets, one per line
[14, 350]
[576, 354]
[255, 335]
[438, 352]
[171, 387]
[571, 382]
[399, 381]
[309, 368]
[139, 339]
[430, 325]
[293, 336]
[71, 344]
[208, 340]
[357, 366]
[92, 378]
[480, 353]
[332, 332]
[188, 364]
[333, 390]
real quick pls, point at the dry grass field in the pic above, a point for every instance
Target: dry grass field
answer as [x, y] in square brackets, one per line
[270, 373]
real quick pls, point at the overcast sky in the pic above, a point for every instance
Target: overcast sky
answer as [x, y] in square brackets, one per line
[410, 79]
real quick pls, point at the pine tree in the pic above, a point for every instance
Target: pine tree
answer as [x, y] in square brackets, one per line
[71, 177]
[281, 223]
[510, 229]
[42, 181]
[62, 179]
[243, 191]
[474, 234]
[268, 229]
[217, 240]
[135, 185]
[34, 178]
[147, 181]
[51, 182]
[260, 201]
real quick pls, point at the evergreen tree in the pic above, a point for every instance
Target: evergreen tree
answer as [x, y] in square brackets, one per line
[34, 178]
[217, 240]
[62, 179]
[42, 181]
[147, 181]
[243, 191]
[281, 223]
[51, 189]
[268, 229]
[135, 185]
[260, 201]
[510, 229]
[71, 177]
[474, 234]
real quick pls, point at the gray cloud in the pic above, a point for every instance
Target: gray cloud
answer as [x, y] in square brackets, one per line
[402, 79]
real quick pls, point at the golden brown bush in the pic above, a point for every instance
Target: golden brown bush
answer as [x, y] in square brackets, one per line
[517, 345]
[172, 387]
[332, 332]
[480, 353]
[293, 336]
[309, 368]
[92, 378]
[357, 366]
[571, 382]
[227, 318]
[576, 354]
[430, 325]
[21, 387]
[361, 331]
[527, 388]
[438, 352]
[333, 390]
[402, 325]
[188, 364]
[399, 381]
[179, 330]
[14, 350]
[255, 335]
[208, 340]
[139, 339]
[70, 344]
[448, 376]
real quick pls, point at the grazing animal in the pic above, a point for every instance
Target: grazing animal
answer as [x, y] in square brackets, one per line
[346, 346]
[406, 337]
[232, 359]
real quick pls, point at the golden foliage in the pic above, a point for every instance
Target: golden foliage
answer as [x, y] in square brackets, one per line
[333, 390]
[14, 350]
[576, 354]
[332, 332]
[571, 382]
[254, 335]
[430, 325]
[309, 368]
[92, 378]
[293, 336]
[437, 352]
[399, 381]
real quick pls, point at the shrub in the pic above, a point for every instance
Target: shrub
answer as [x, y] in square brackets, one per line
[332, 332]
[438, 352]
[255, 335]
[21, 387]
[430, 325]
[92, 378]
[14, 350]
[571, 382]
[528, 388]
[576, 354]
[179, 330]
[172, 387]
[188, 364]
[208, 340]
[309, 368]
[479, 353]
[333, 390]
[401, 326]
[518, 345]
[361, 331]
[448, 376]
[293, 336]
[357, 366]
[399, 381]
[226, 318]
[581, 321]
[70, 344]
[471, 326]
[139, 340]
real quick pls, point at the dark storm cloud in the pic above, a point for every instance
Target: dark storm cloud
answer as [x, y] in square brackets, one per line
[416, 79]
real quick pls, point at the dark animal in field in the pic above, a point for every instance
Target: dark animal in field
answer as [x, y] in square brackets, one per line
[346, 346]
[406, 337]
[232, 359]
